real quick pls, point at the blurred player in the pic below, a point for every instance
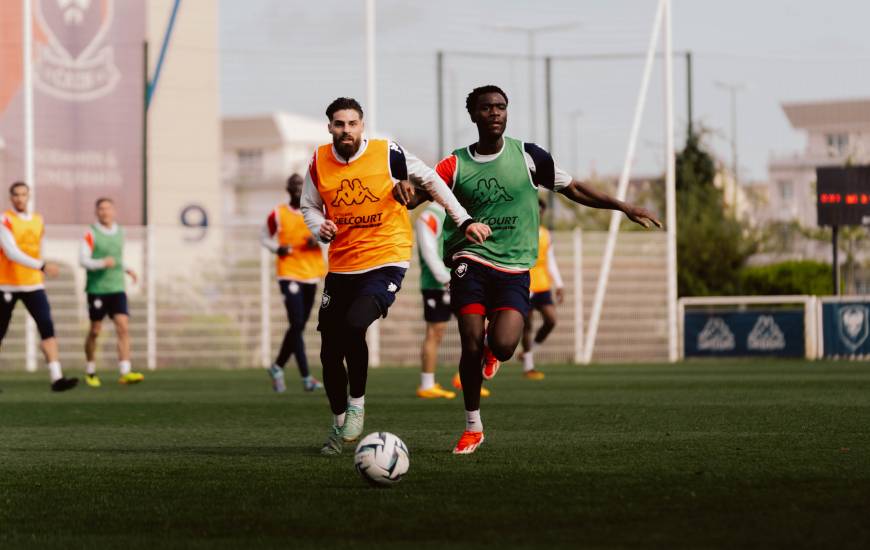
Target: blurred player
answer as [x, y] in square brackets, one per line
[21, 278]
[497, 179]
[299, 267]
[348, 201]
[544, 276]
[102, 255]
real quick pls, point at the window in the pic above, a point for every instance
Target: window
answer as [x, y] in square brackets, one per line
[838, 144]
[250, 163]
[786, 191]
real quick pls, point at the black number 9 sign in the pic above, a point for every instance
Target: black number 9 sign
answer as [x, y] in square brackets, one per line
[195, 219]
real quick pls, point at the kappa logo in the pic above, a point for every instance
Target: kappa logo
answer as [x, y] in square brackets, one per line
[353, 192]
[392, 287]
[98, 304]
[489, 191]
[293, 287]
[854, 325]
[75, 65]
[7, 297]
[766, 335]
[430, 303]
[461, 270]
[716, 336]
[324, 300]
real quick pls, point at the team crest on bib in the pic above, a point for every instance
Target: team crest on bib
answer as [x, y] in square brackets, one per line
[461, 269]
[324, 300]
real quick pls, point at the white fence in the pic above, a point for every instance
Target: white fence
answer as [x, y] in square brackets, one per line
[199, 303]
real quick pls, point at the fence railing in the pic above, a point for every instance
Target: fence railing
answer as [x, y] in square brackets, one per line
[208, 298]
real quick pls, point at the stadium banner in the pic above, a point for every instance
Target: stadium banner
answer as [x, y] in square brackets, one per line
[779, 333]
[845, 328]
[88, 84]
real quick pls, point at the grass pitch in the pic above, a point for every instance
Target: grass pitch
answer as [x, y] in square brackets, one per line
[699, 455]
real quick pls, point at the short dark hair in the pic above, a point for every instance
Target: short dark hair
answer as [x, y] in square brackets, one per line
[16, 185]
[342, 103]
[471, 100]
[101, 200]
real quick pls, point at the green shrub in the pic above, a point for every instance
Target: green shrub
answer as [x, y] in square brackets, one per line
[793, 277]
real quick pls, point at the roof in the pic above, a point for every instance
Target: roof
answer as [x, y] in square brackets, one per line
[272, 130]
[825, 114]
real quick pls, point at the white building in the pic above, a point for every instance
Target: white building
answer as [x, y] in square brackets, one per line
[259, 153]
[838, 132]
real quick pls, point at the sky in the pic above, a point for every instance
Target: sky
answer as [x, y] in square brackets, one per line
[297, 56]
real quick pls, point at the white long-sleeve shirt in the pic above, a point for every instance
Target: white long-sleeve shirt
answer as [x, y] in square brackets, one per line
[553, 268]
[15, 254]
[402, 165]
[427, 243]
[86, 248]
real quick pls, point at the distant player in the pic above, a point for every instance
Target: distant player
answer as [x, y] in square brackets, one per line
[102, 255]
[21, 278]
[497, 179]
[299, 268]
[545, 278]
[348, 201]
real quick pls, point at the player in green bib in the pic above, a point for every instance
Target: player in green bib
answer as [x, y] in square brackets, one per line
[102, 255]
[497, 180]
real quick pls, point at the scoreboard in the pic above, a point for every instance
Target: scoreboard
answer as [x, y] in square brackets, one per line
[843, 195]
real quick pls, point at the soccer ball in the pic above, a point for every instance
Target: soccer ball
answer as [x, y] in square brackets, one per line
[381, 458]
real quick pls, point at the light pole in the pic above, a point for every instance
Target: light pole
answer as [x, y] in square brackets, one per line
[575, 117]
[732, 88]
[531, 33]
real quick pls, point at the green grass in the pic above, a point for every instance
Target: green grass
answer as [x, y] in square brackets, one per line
[700, 455]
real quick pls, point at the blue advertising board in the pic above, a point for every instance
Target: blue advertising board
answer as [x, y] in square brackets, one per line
[845, 328]
[778, 333]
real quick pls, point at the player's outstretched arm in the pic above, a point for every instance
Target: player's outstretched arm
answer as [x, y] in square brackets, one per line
[587, 195]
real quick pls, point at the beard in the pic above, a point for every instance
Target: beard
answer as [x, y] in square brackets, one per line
[347, 149]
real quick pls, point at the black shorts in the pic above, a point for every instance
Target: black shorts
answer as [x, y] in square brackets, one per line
[541, 299]
[298, 300]
[100, 305]
[478, 288]
[36, 302]
[436, 305]
[340, 290]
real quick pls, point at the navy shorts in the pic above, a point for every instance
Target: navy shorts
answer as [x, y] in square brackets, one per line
[100, 305]
[541, 299]
[36, 302]
[436, 305]
[477, 288]
[298, 300]
[340, 290]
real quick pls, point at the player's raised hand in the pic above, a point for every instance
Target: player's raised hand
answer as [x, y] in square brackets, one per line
[328, 229]
[641, 216]
[477, 232]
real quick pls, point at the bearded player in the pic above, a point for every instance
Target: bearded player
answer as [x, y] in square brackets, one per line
[497, 180]
[348, 201]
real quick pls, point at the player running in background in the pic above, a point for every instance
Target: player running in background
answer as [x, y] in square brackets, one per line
[497, 179]
[299, 267]
[544, 276]
[21, 278]
[347, 201]
[102, 255]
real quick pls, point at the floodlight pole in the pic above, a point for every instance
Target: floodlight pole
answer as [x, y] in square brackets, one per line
[671, 187]
[835, 234]
[373, 335]
[439, 84]
[29, 163]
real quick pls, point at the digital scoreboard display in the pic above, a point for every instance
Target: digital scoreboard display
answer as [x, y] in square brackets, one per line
[843, 195]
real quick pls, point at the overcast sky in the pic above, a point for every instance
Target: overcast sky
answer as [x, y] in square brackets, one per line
[297, 56]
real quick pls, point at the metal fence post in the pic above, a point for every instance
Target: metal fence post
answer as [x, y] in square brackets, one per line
[578, 295]
[151, 297]
[265, 318]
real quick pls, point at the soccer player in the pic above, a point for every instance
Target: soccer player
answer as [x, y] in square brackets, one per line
[544, 275]
[348, 201]
[102, 255]
[497, 180]
[21, 278]
[299, 267]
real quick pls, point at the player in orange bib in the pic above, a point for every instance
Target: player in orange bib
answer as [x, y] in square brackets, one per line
[544, 278]
[348, 201]
[299, 268]
[21, 277]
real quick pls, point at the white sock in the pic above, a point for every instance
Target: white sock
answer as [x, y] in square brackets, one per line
[357, 401]
[427, 380]
[528, 361]
[55, 371]
[338, 420]
[91, 368]
[473, 423]
[124, 367]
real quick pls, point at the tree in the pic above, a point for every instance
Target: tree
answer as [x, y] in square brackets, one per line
[712, 246]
